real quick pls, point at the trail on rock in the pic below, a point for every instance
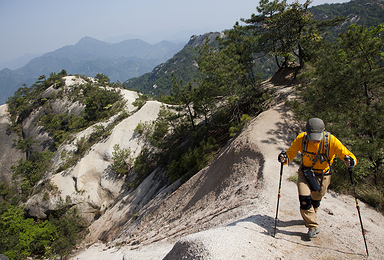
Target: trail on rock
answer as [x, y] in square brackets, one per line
[247, 187]
[251, 237]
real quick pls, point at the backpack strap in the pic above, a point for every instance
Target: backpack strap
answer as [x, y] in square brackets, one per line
[318, 154]
[304, 146]
[327, 148]
[325, 153]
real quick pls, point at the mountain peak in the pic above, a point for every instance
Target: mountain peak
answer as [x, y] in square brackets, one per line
[89, 40]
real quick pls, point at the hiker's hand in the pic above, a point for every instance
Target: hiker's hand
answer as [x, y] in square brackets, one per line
[349, 162]
[282, 157]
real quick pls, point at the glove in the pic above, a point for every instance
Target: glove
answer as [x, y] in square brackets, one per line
[349, 161]
[282, 158]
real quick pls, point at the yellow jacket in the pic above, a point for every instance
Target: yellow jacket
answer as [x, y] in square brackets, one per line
[335, 148]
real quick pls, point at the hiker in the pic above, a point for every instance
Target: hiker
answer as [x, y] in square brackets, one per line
[318, 149]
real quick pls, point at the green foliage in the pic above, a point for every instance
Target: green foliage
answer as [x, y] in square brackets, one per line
[144, 163]
[102, 78]
[8, 195]
[286, 31]
[66, 226]
[141, 100]
[369, 13]
[61, 126]
[182, 67]
[212, 102]
[193, 160]
[21, 237]
[347, 94]
[160, 127]
[122, 160]
[70, 229]
[31, 171]
[236, 127]
[26, 145]
[99, 101]
[156, 131]
[25, 99]
[293, 178]
[144, 129]
[84, 144]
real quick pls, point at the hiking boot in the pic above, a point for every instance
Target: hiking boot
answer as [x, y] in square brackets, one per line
[312, 233]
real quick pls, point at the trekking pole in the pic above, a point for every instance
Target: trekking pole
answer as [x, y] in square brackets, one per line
[278, 198]
[358, 208]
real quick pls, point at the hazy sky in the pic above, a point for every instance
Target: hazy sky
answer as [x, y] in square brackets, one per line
[40, 26]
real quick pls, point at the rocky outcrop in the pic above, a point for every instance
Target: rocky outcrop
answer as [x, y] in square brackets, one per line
[198, 40]
[3, 257]
[9, 155]
[31, 126]
[208, 199]
[188, 249]
[90, 185]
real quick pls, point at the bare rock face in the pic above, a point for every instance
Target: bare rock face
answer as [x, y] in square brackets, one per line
[3, 257]
[8, 154]
[198, 40]
[209, 199]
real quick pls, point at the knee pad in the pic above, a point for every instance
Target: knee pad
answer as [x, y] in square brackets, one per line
[316, 203]
[305, 202]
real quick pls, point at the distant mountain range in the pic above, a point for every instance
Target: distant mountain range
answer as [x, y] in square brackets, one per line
[148, 67]
[19, 62]
[159, 35]
[119, 61]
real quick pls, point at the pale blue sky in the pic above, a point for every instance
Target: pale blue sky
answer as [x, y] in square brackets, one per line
[40, 26]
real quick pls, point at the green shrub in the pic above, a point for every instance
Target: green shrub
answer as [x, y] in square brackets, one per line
[372, 195]
[31, 171]
[237, 126]
[193, 160]
[144, 129]
[21, 237]
[144, 163]
[70, 229]
[141, 100]
[122, 160]
[99, 101]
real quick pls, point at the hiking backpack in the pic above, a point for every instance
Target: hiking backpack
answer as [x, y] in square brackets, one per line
[323, 153]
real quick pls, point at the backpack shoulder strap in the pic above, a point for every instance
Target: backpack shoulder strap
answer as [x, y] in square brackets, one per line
[326, 147]
[304, 142]
[304, 145]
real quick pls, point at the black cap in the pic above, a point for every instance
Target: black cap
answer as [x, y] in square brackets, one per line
[315, 129]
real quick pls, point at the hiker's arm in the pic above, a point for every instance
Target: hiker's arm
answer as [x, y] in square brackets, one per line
[341, 151]
[294, 148]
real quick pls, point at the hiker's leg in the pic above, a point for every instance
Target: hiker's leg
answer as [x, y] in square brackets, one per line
[307, 212]
[318, 195]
